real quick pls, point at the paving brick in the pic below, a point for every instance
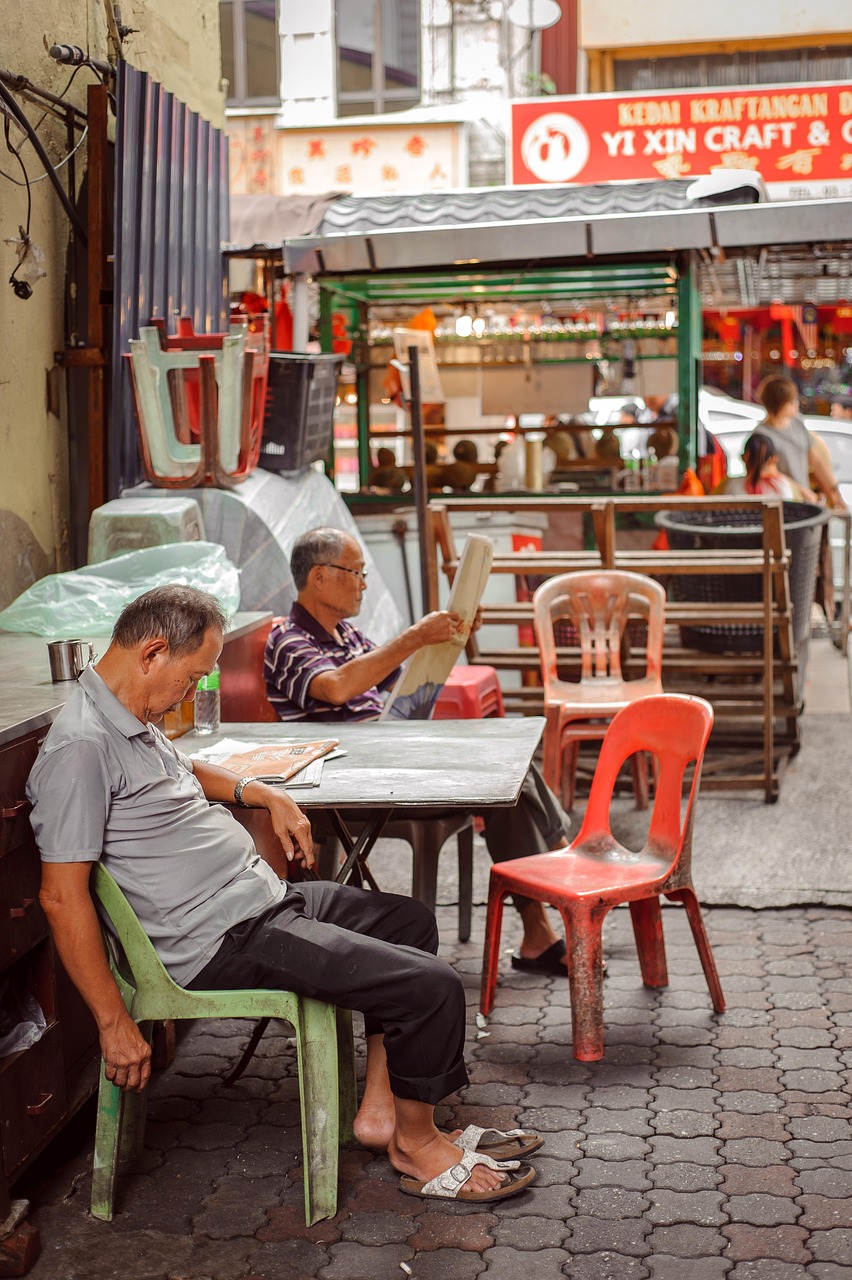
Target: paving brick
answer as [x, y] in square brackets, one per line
[828, 1152]
[668, 1268]
[543, 1095]
[803, 1037]
[685, 1177]
[437, 1229]
[686, 1124]
[750, 1102]
[547, 1120]
[611, 1202]
[768, 1269]
[349, 1259]
[685, 1240]
[618, 1097]
[378, 1228]
[678, 1058]
[762, 1210]
[665, 1098]
[458, 1263]
[629, 1174]
[773, 1180]
[831, 1246]
[633, 1121]
[553, 1172]
[748, 1243]
[829, 1271]
[818, 1128]
[300, 1259]
[686, 1077]
[625, 1236]
[665, 1149]
[816, 1018]
[760, 1079]
[237, 1207]
[615, 1146]
[733, 1037]
[736, 1124]
[287, 1223]
[605, 1266]
[525, 1233]
[754, 1151]
[793, 1059]
[807, 1081]
[704, 1208]
[824, 1213]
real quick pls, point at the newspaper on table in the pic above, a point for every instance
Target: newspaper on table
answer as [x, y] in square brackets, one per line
[296, 763]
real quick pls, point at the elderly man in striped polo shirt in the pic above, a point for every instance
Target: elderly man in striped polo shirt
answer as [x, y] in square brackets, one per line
[319, 667]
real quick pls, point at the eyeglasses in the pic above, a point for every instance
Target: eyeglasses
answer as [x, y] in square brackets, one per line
[356, 573]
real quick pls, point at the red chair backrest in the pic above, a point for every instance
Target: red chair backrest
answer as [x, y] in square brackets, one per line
[598, 602]
[674, 728]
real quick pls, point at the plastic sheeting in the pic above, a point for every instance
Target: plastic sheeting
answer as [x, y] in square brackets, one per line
[87, 601]
[257, 523]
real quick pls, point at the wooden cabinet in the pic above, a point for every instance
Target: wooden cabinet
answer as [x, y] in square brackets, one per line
[41, 1086]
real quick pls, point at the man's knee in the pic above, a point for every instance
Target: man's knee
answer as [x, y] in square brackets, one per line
[421, 927]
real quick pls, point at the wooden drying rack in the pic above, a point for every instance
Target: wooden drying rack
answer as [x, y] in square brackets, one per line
[755, 695]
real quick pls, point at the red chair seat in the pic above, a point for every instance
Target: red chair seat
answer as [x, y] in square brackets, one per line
[470, 693]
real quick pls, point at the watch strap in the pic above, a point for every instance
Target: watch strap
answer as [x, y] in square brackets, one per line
[238, 791]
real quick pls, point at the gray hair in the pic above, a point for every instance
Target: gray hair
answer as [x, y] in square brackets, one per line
[180, 615]
[317, 546]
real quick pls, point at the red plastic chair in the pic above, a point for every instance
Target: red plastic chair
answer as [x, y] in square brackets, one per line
[597, 873]
[598, 604]
[470, 693]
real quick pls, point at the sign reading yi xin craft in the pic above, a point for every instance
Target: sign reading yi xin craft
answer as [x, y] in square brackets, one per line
[797, 137]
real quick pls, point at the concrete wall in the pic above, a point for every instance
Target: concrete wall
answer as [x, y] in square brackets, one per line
[620, 23]
[179, 45]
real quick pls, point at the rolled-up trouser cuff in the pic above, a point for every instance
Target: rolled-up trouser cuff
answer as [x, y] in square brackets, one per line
[429, 1089]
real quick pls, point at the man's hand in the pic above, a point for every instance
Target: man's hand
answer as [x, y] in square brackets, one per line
[437, 628]
[126, 1054]
[289, 823]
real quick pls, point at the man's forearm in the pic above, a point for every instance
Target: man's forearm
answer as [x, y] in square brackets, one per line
[79, 944]
[365, 672]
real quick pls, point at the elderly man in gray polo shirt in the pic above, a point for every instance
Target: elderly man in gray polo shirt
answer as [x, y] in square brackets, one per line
[108, 784]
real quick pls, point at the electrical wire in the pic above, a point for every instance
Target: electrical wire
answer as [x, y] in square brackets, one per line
[41, 177]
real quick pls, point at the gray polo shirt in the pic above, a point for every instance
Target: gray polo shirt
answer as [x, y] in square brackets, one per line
[106, 785]
[792, 444]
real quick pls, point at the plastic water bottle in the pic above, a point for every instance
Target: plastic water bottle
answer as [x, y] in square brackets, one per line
[207, 712]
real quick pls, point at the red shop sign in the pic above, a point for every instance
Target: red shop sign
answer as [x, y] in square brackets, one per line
[789, 133]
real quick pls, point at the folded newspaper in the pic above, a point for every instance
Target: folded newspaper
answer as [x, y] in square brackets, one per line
[260, 759]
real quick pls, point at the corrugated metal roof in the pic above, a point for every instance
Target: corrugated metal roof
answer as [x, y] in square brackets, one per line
[361, 215]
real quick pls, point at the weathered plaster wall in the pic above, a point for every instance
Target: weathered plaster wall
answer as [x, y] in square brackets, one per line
[178, 44]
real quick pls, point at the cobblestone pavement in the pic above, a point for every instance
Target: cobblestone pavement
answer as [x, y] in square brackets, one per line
[700, 1147]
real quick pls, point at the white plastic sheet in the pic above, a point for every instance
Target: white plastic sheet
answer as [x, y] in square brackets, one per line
[87, 601]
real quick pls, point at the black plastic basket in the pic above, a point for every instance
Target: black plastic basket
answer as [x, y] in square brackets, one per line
[739, 528]
[298, 426]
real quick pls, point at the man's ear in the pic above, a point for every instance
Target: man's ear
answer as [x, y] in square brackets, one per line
[152, 651]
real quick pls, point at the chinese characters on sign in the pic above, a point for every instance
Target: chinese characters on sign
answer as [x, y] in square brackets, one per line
[385, 158]
[785, 134]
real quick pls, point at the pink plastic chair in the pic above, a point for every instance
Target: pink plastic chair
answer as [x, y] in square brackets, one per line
[598, 603]
[596, 873]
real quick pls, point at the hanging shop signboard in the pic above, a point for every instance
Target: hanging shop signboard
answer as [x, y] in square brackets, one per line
[797, 137]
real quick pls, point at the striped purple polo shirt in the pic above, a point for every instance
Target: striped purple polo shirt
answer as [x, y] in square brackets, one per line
[298, 649]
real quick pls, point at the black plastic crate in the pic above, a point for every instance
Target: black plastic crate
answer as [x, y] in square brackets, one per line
[298, 425]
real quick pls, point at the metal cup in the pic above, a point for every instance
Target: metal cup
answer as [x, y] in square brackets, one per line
[68, 658]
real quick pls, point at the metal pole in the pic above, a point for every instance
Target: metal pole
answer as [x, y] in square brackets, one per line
[300, 313]
[421, 496]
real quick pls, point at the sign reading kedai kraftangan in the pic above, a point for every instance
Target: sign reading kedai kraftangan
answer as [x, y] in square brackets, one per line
[797, 137]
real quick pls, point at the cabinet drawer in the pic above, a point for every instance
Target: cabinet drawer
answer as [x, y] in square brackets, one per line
[32, 1098]
[15, 764]
[22, 920]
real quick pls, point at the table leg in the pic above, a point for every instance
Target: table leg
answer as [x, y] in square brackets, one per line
[358, 850]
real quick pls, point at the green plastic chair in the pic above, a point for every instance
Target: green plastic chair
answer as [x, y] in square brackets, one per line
[325, 1056]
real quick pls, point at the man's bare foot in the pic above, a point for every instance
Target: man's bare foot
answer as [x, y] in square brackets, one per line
[373, 1127]
[434, 1157]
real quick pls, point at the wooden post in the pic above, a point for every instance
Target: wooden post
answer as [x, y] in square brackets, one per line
[421, 495]
[95, 271]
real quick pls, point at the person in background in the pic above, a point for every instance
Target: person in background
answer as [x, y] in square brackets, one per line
[799, 457]
[320, 668]
[763, 476]
[841, 409]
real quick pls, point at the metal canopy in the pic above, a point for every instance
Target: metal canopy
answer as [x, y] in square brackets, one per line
[555, 283]
[750, 254]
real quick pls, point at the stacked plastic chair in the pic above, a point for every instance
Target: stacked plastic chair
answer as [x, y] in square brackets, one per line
[200, 402]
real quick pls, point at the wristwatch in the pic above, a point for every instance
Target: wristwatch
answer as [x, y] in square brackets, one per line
[238, 792]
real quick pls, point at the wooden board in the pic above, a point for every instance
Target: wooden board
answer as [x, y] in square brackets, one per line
[422, 678]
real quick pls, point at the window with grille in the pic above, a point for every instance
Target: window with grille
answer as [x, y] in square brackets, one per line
[752, 67]
[378, 55]
[250, 51]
